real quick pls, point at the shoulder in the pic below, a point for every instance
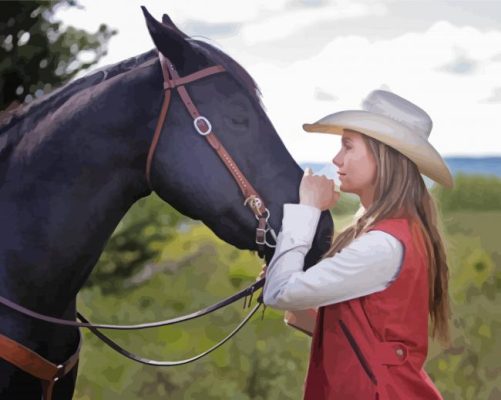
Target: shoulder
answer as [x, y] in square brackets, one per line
[377, 242]
[374, 248]
[400, 228]
[375, 252]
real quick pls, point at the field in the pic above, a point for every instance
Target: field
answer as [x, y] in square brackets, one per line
[160, 270]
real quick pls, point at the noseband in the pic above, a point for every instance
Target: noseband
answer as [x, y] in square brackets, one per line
[203, 127]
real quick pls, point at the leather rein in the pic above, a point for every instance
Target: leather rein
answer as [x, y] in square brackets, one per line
[49, 373]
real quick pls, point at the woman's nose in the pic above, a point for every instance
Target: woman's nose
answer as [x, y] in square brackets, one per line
[337, 160]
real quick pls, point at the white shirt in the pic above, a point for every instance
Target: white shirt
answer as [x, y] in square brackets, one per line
[367, 265]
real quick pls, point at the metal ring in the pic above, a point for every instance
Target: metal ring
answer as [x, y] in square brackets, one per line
[209, 126]
[267, 218]
[273, 235]
[271, 245]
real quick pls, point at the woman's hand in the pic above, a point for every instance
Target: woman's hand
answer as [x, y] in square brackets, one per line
[262, 274]
[317, 191]
[303, 320]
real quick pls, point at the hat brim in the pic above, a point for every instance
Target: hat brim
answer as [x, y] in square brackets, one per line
[391, 133]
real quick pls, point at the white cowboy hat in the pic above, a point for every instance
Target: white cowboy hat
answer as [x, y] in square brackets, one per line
[396, 122]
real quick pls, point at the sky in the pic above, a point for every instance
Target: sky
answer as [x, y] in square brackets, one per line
[311, 58]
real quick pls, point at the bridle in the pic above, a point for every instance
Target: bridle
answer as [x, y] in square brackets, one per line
[202, 125]
[49, 373]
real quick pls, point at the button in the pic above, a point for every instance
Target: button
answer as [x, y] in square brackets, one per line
[399, 352]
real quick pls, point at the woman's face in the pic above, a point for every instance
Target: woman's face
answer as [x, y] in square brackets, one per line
[357, 166]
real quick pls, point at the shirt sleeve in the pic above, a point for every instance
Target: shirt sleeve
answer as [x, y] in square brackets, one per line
[367, 265]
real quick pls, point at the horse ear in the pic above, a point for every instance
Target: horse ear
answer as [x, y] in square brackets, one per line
[172, 43]
[153, 25]
[166, 20]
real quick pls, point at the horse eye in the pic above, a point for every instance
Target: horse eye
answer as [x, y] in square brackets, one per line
[240, 121]
[237, 122]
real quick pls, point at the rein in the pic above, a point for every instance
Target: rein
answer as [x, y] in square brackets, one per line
[85, 324]
[249, 291]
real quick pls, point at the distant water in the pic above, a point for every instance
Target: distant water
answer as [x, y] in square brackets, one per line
[464, 165]
[481, 165]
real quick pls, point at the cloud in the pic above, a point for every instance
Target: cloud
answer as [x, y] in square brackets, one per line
[322, 95]
[495, 97]
[282, 25]
[211, 30]
[349, 67]
[496, 57]
[312, 3]
[315, 57]
[460, 65]
[220, 11]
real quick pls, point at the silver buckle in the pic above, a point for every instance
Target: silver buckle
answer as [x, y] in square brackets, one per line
[209, 126]
[265, 240]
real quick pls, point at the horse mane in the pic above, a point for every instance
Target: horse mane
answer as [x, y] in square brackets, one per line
[11, 120]
[219, 57]
[39, 107]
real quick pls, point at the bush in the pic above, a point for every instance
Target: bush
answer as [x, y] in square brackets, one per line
[347, 204]
[470, 192]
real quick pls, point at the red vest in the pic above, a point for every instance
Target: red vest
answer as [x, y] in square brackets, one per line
[374, 347]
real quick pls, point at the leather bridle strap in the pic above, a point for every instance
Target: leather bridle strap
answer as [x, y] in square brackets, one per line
[248, 291]
[170, 84]
[156, 135]
[172, 80]
[36, 365]
[160, 363]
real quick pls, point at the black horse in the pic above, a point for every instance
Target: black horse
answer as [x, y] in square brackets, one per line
[73, 163]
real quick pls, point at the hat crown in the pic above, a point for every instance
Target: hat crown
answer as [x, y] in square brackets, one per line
[400, 110]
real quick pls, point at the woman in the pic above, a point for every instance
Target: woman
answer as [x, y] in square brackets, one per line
[384, 274]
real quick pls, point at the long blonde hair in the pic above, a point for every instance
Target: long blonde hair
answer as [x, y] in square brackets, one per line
[400, 192]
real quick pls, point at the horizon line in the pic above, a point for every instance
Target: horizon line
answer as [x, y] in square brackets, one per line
[445, 156]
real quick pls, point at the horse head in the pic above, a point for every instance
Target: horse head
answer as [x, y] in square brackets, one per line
[187, 173]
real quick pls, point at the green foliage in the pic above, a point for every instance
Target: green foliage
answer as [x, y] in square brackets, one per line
[470, 192]
[469, 369]
[194, 269]
[136, 242]
[347, 204]
[38, 53]
[183, 266]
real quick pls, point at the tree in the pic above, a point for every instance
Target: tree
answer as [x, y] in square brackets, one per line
[38, 53]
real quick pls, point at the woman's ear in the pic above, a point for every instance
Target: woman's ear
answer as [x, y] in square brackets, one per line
[172, 44]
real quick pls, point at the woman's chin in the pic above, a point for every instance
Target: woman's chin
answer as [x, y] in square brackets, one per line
[345, 187]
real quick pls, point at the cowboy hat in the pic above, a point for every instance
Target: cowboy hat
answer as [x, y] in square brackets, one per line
[396, 122]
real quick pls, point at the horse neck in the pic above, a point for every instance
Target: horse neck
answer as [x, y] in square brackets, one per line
[69, 184]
